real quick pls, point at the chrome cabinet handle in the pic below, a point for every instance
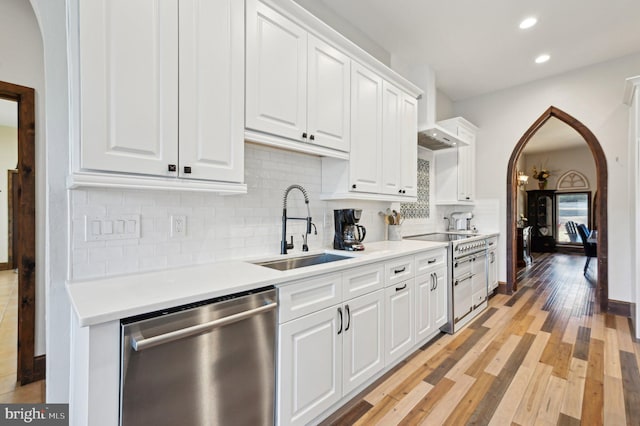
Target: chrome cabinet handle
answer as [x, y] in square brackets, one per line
[401, 288]
[346, 308]
[397, 271]
[340, 313]
[464, 279]
[430, 261]
[139, 342]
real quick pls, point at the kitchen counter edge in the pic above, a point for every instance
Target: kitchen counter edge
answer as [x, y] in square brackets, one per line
[97, 301]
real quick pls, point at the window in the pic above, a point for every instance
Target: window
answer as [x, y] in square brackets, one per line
[572, 206]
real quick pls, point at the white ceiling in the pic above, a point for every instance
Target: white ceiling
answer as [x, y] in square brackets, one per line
[8, 113]
[475, 47]
[554, 135]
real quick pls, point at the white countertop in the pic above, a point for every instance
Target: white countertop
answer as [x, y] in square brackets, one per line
[107, 299]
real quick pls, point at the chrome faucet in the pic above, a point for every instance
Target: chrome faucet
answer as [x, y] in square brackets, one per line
[284, 245]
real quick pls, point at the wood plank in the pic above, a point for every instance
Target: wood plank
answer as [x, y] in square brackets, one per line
[506, 410]
[532, 398]
[443, 408]
[581, 348]
[552, 400]
[572, 401]
[594, 384]
[402, 408]
[614, 406]
[383, 389]
[353, 414]
[625, 341]
[610, 321]
[490, 401]
[424, 407]
[377, 412]
[630, 384]
[565, 420]
[465, 408]
[502, 355]
[612, 355]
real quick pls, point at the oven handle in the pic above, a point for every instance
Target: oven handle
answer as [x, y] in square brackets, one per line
[139, 342]
[464, 260]
[468, 277]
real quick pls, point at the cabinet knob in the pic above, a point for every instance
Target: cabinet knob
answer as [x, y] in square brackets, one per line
[172, 167]
[353, 186]
[311, 137]
[399, 191]
[304, 135]
[404, 191]
[187, 169]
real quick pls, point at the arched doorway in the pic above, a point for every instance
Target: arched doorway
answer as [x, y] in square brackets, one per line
[602, 290]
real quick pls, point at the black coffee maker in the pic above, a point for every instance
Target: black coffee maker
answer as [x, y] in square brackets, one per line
[348, 234]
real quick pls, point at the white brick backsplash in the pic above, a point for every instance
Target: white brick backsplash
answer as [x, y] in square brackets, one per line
[218, 227]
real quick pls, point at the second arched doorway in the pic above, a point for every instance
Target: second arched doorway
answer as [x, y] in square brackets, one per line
[600, 209]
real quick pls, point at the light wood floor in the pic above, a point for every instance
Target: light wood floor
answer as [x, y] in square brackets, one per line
[543, 356]
[10, 390]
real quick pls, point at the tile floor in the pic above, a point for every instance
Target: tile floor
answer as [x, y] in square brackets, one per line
[10, 389]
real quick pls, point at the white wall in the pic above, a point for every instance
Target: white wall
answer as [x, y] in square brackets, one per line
[21, 62]
[593, 95]
[8, 160]
[559, 162]
[51, 16]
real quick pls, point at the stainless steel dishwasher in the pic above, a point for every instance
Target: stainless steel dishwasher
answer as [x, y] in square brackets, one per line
[210, 363]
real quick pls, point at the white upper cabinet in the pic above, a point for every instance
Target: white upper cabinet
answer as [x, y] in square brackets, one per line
[409, 146]
[161, 92]
[298, 86]
[328, 113]
[276, 74]
[399, 142]
[129, 85]
[455, 168]
[366, 130]
[391, 139]
[211, 109]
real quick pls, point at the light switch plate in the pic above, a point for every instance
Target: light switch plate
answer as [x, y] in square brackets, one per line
[120, 227]
[178, 226]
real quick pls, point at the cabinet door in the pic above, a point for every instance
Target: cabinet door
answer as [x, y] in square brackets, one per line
[276, 73]
[493, 270]
[409, 146]
[363, 339]
[424, 319]
[466, 166]
[212, 90]
[329, 92]
[391, 143]
[309, 366]
[129, 85]
[399, 320]
[366, 130]
[439, 298]
[479, 280]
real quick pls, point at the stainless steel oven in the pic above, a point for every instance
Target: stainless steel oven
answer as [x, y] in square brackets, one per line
[467, 275]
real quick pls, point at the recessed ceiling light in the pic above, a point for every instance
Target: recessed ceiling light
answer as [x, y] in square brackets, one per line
[542, 58]
[528, 23]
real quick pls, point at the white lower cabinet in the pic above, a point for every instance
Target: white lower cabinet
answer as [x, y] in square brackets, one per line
[309, 366]
[362, 339]
[399, 320]
[339, 331]
[492, 263]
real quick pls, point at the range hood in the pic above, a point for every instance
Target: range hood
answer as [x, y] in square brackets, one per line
[431, 135]
[436, 137]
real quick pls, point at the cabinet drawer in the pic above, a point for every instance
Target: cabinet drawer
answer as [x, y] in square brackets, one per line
[359, 281]
[492, 243]
[307, 296]
[397, 270]
[430, 260]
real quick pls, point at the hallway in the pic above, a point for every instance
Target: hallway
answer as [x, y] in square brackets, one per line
[10, 391]
[542, 356]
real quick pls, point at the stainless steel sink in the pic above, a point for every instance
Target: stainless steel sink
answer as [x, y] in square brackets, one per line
[302, 261]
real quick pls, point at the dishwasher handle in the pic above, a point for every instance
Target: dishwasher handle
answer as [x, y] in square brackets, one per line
[139, 342]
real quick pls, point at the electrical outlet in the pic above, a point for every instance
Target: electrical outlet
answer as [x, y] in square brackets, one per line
[178, 226]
